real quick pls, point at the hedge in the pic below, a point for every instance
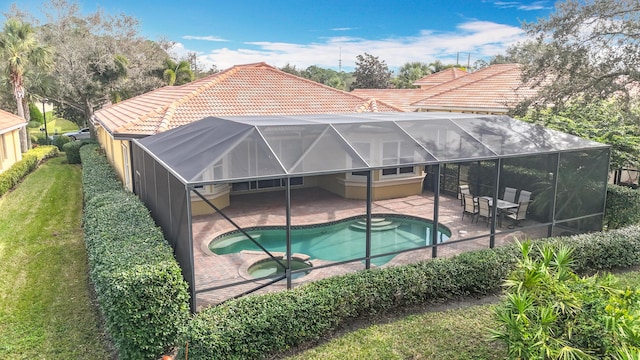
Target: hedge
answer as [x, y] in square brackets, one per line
[259, 326]
[623, 207]
[72, 150]
[139, 286]
[12, 176]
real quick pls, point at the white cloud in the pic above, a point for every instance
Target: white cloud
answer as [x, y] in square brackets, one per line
[480, 39]
[204, 38]
[536, 5]
[342, 29]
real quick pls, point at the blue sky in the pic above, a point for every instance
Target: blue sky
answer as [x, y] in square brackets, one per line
[326, 32]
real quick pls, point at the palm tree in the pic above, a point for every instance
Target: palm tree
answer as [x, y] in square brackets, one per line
[177, 73]
[19, 49]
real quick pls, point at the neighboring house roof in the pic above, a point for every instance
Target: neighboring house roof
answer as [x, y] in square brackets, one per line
[440, 77]
[252, 89]
[495, 88]
[10, 122]
[402, 98]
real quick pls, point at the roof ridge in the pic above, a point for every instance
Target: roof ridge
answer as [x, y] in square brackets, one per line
[462, 85]
[169, 109]
[315, 83]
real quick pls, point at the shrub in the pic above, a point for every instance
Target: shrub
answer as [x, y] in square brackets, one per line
[550, 312]
[17, 171]
[40, 140]
[35, 114]
[623, 207]
[60, 140]
[138, 283]
[72, 149]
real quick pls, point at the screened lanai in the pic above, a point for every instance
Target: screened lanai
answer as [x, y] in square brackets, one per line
[319, 195]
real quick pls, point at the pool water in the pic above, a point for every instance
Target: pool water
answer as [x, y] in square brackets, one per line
[270, 267]
[338, 241]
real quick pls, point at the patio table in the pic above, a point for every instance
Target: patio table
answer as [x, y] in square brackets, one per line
[502, 205]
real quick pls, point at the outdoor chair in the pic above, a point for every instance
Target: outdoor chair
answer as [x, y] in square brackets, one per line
[525, 196]
[470, 207]
[509, 194]
[519, 215]
[463, 189]
[483, 210]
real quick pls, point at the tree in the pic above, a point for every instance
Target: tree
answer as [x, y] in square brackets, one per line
[19, 51]
[370, 73]
[98, 58]
[586, 50]
[409, 73]
[291, 69]
[318, 74]
[604, 121]
[178, 73]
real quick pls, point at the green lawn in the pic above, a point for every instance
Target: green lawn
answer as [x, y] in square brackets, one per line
[45, 305]
[453, 334]
[55, 125]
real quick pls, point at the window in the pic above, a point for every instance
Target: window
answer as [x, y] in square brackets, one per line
[216, 171]
[395, 153]
[127, 168]
[3, 149]
[265, 184]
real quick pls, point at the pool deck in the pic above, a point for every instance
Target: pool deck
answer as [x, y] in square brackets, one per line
[315, 206]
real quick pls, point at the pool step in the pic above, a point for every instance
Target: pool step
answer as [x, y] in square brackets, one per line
[377, 224]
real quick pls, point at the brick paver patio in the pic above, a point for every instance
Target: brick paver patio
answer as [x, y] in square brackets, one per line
[314, 206]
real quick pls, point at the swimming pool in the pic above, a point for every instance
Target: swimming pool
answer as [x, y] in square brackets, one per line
[338, 241]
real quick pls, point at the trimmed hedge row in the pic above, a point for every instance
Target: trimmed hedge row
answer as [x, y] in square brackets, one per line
[139, 285]
[257, 326]
[72, 150]
[623, 207]
[30, 160]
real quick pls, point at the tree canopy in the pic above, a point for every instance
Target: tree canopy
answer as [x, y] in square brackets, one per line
[409, 73]
[587, 50]
[370, 73]
[20, 52]
[604, 121]
[97, 57]
[177, 73]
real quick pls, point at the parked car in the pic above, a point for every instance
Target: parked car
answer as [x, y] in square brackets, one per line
[83, 133]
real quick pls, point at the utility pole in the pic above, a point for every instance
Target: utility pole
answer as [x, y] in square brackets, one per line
[44, 115]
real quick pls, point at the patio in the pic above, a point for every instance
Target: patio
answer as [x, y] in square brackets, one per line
[313, 206]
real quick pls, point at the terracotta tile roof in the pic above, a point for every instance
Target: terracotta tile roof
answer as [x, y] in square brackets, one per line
[9, 121]
[402, 98]
[253, 89]
[495, 88]
[440, 77]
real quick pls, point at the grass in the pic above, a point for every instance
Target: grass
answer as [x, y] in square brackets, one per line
[454, 334]
[55, 125]
[450, 334]
[46, 309]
